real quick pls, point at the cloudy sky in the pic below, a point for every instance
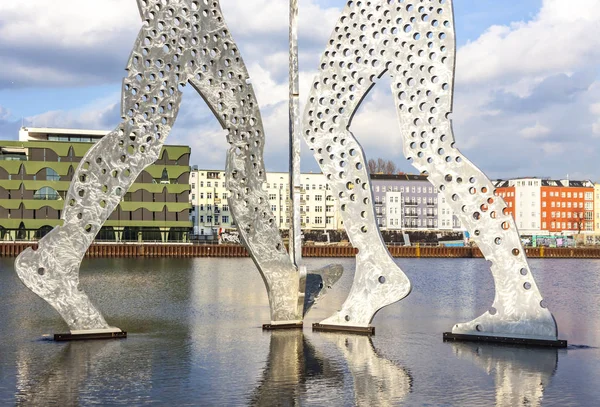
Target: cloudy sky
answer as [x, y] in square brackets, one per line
[527, 94]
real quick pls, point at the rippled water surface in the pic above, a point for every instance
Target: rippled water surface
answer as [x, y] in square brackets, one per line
[195, 339]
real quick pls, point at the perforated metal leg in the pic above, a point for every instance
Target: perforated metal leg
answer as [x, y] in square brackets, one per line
[414, 42]
[181, 41]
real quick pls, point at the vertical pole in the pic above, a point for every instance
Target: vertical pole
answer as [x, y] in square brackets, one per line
[294, 120]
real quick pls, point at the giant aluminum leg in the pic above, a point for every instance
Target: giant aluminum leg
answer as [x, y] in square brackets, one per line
[414, 42]
[186, 41]
[150, 102]
[335, 96]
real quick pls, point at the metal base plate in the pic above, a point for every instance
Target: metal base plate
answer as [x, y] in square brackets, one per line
[369, 330]
[271, 327]
[89, 336]
[450, 337]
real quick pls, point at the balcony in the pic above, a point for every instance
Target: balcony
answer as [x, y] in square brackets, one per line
[410, 203]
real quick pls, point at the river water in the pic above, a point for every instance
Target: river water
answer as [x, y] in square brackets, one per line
[195, 338]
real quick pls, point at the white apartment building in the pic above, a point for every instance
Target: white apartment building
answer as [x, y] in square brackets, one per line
[318, 206]
[398, 206]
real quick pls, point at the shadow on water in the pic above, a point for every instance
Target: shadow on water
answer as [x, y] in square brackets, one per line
[521, 374]
[294, 364]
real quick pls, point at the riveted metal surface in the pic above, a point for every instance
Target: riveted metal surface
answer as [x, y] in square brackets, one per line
[414, 42]
[180, 41]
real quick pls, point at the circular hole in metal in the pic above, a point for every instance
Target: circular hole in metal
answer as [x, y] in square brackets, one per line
[493, 311]
[498, 241]
[381, 279]
[527, 286]
[479, 328]
[523, 271]
[516, 252]
[543, 304]
[347, 318]
[41, 271]
[477, 233]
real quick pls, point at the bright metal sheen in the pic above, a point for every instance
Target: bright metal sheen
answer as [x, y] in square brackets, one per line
[414, 42]
[521, 374]
[295, 243]
[377, 380]
[180, 41]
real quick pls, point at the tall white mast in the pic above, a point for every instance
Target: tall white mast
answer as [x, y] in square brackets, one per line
[295, 223]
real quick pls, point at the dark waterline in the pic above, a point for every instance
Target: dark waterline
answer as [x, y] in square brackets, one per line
[195, 339]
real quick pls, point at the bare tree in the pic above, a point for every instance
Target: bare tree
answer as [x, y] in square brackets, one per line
[372, 166]
[381, 166]
[390, 167]
[579, 219]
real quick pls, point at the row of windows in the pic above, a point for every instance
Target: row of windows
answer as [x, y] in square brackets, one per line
[209, 207]
[588, 195]
[209, 219]
[408, 199]
[417, 190]
[565, 214]
[209, 195]
[408, 211]
[589, 226]
[409, 223]
[568, 204]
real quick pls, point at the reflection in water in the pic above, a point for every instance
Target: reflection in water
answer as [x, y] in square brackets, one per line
[292, 361]
[294, 365]
[63, 377]
[377, 381]
[522, 374]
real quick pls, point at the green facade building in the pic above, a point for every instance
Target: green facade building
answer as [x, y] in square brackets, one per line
[36, 172]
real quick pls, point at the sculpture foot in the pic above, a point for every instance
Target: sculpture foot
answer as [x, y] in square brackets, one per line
[540, 326]
[377, 284]
[55, 279]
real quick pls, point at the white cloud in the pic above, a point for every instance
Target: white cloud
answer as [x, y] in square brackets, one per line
[535, 132]
[4, 113]
[559, 39]
[525, 98]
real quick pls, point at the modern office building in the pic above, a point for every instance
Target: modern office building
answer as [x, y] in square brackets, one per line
[544, 206]
[407, 202]
[36, 171]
